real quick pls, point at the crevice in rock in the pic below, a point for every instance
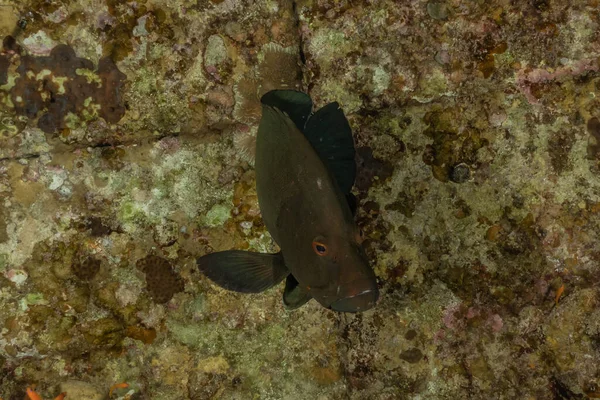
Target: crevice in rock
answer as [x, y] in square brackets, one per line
[300, 41]
[70, 148]
[21, 157]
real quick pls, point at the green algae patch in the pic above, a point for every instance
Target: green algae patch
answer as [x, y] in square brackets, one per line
[217, 215]
[3, 261]
[327, 45]
[104, 333]
[432, 86]
[216, 51]
[199, 335]
[131, 212]
[32, 299]
[348, 98]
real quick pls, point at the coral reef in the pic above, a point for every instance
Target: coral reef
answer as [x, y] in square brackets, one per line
[126, 152]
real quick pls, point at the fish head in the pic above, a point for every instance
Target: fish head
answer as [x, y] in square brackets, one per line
[328, 260]
[350, 284]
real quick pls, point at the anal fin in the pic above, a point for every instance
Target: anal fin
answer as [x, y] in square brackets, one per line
[243, 271]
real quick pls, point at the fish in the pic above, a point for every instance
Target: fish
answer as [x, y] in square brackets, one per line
[35, 396]
[305, 169]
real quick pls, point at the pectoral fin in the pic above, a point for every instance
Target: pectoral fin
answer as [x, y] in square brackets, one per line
[243, 271]
[294, 295]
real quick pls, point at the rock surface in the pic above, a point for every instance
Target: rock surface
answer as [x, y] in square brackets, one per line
[126, 151]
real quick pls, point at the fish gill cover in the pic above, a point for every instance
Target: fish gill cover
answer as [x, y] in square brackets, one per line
[60, 87]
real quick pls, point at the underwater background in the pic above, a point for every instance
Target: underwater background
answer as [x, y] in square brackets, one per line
[127, 135]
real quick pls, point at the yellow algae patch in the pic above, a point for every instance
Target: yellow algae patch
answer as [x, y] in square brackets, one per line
[214, 365]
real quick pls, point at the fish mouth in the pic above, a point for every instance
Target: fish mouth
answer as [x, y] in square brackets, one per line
[359, 302]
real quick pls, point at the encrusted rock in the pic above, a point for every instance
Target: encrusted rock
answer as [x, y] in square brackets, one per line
[161, 280]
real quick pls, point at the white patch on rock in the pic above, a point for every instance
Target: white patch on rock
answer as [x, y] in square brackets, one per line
[216, 51]
[127, 294]
[17, 276]
[39, 44]
[56, 182]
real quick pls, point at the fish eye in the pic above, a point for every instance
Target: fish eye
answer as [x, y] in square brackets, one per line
[320, 248]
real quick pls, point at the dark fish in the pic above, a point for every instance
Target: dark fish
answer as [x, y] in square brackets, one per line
[305, 170]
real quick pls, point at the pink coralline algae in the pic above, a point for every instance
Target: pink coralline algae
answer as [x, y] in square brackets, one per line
[457, 317]
[495, 322]
[451, 319]
[527, 77]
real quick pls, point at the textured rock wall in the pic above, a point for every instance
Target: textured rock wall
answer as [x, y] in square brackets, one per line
[126, 151]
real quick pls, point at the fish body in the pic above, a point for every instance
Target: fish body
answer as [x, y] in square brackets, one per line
[304, 172]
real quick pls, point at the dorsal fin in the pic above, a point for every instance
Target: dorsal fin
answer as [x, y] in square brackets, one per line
[296, 105]
[329, 132]
[352, 203]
